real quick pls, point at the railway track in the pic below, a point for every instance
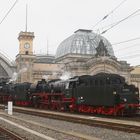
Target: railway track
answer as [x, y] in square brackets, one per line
[5, 134]
[31, 125]
[115, 124]
[121, 125]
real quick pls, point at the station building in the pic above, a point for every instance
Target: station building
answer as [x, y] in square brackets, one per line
[32, 67]
[83, 53]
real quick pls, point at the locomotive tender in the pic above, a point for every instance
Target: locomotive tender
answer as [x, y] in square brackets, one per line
[102, 93]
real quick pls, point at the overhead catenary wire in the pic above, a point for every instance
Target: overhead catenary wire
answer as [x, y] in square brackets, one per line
[7, 56]
[127, 47]
[135, 13]
[133, 39]
[134, 53]
[130, 51]
[8, 11]
[129, 56]
[114, 23]
[121, 21]
[106, 16]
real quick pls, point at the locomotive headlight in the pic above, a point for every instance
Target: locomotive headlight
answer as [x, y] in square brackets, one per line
[124, 99]
[114, 92]
[81, 98]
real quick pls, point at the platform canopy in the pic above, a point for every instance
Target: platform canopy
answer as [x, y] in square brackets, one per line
[7, 67]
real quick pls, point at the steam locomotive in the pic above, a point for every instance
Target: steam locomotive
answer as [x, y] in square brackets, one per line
[102, 93]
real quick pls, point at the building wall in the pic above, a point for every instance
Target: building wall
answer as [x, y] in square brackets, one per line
[26, 37]
[76, 64]
[45, 71]
[135, 76]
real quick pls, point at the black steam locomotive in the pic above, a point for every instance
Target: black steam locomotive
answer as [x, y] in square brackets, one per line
[103, 93]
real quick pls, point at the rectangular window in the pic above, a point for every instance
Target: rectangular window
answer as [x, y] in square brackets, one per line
[26, 52]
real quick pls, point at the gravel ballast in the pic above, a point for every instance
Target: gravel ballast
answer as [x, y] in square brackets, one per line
[101, 133]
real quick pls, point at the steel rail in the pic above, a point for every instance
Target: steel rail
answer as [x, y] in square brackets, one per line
[74, 118]
[10, 135]
[77, 119]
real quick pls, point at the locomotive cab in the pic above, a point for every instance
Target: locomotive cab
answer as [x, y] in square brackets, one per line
[70, 87]
[39, 87]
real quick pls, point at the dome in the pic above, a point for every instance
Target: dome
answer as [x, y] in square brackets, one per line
[84, 42]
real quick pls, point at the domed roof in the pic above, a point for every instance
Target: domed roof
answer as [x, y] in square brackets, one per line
[84, 42]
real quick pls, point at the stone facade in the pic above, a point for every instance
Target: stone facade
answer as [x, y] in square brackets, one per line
[90, 66]
[25, 59]
[99, 57]
[31, 67]
[135, 76]
[93, 54]
[46, 71]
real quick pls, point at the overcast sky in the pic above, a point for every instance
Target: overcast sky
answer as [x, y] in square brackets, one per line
[55, 20]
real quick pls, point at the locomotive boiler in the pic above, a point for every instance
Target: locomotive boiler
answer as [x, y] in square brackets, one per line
[102, 93]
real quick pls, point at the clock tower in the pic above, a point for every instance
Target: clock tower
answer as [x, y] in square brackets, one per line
[25, 58]
[26, 43]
